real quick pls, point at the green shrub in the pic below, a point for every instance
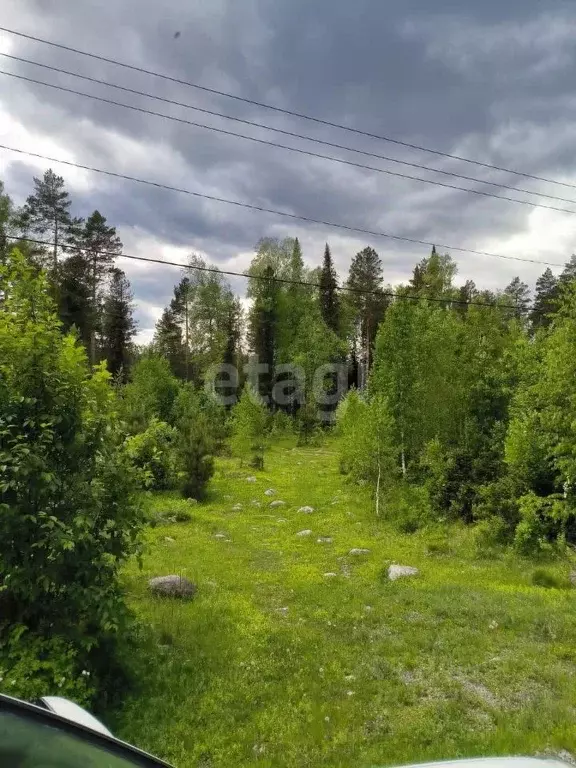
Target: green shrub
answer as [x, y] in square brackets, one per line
[69, 516]
[544, 578]
[281, 424]
[543, 523]
[490, 534]
[150, 393]
[152, 453]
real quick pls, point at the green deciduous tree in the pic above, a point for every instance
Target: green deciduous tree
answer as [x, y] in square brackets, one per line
[69, 518]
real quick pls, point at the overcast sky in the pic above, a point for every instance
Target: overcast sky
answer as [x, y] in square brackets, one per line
[493, 81]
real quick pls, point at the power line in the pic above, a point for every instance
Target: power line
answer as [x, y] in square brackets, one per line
[274, 279]
[280, 110]
[284, 214]
[299, 151]
[263, 126]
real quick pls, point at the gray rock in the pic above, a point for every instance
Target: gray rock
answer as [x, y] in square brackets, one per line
[172, 586]
[324, 539]
[277, 503]
[399, 571]
[237, 507]
[169, 539]
[304, 533]
[330, 575]
[219, 535]
[269, 492]
[359, 551]
[306, 510]
[192, 501]
[251, 479]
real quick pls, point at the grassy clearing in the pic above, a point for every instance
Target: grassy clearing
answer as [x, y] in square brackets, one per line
[275, 663]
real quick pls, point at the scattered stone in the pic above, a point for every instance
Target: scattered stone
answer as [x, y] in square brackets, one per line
[219, 535]
[350, 678]
[281, 520]
[172, 586]
[269, 492]
[277, 503]
[237, 507]
[359, 551]
[324, 539]
[330, 575]
[493, 625]
[256, 503]
[306, 510]
[169, 539]
[307, 532]
[399, 571]
[192, 501]
[251, 479]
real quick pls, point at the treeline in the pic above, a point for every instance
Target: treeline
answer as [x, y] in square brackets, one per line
[92, 295]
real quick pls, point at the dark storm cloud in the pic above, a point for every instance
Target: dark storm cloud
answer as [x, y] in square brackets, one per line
[489, 80]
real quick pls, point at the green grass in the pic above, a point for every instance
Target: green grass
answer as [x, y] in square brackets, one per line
[274, 663]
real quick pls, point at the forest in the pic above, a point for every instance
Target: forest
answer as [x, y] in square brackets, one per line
[447, 404]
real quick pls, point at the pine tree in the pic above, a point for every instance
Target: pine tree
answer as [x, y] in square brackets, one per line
[100, 245]
[249, 418]
[367, 299]
[118, 326]
[329, 300]
[194, 447]
[168, 342]
[519, 293]
[545, 299]
[48, 210]
[76, 307]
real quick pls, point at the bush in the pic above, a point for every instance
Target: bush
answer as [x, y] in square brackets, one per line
[543, 523]
[69, 516]
[490, 535]
[281, 424]
[544, 578]
[151, 393]
[152, 454]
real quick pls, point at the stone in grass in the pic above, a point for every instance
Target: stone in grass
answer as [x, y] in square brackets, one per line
[172, 586]
[306, 510]
[330, 575]
[219, 535]
[251, 479]
[237, 507]
[304, 533]
[399, 571]
[277, 503]
[169, 539]
[269, 492]
[359, 551]
[324, 539]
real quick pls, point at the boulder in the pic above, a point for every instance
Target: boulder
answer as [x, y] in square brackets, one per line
[172, 586]
[277, 503]
[269, 492]
[359, 551]
[330, 575]
[304, 533]
[251, 479]
[399, 571]
[306, 510]
[324, 540]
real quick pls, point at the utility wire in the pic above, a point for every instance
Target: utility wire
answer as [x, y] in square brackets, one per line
[274, 279]
[285, 214]
[299, 151]
[280, 110]
[263, 126]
